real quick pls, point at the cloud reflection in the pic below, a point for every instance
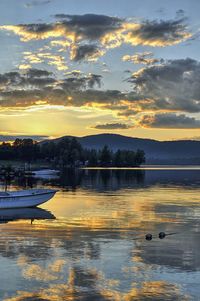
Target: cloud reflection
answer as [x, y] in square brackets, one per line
[92, 285]
[98, 244]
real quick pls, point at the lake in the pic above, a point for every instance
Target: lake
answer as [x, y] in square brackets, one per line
[88, 242]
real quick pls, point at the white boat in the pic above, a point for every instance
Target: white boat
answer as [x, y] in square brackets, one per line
[25, 198]
[46, 174]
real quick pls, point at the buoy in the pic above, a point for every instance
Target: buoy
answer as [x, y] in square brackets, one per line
[161, 235]
[148, 236]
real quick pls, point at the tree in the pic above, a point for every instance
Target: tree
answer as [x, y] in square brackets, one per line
[105, 156]
[6, 151]
[24, 149]
[93, 158]
[140, 157]
[68, 152]
[129, 158]
[118, 158]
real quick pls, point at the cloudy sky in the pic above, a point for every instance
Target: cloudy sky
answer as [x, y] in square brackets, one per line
[74, 67]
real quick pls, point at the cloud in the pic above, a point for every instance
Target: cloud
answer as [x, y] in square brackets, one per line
[173, 86]
[171, 121]
[26, 79]
[51, 273]
[36, 31]
[90, 26]
[89, 36]
[86, 52]
[99, 287]
[32, 86]
[36, 87]
[24, 66]
[112, 126]
[180, 13]
[161, 94]
[195, 138]
[158, 33]
[13, 137]
[37, 3]
[74, 28]
[43, 57]
[32, 73]
[145, 58]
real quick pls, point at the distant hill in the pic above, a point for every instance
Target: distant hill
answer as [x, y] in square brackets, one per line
[157, 152]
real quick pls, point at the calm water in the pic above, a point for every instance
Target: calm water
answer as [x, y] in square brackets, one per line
[95, 249]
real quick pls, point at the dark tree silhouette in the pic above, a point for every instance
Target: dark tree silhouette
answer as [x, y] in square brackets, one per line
[105, 156]
[68, 152]
[93, 158]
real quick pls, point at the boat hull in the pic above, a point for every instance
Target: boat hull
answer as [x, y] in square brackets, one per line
[25, 201]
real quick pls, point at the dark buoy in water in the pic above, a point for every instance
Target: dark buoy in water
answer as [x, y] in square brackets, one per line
[148, 236]
[161, 235]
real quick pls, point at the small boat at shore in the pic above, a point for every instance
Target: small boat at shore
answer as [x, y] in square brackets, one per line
[25, 198]
[45, 174]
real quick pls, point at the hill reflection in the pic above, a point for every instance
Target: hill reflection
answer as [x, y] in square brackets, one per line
[112, 180]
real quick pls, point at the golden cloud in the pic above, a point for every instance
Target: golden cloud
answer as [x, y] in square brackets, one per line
[44, 57]
[141, 58]
[94, 34]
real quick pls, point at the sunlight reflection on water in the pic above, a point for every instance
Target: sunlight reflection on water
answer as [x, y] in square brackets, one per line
[95, 249]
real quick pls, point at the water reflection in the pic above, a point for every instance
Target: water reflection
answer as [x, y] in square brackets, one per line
[11, 215]
[89, 285]
[96, 247]
[109, 179]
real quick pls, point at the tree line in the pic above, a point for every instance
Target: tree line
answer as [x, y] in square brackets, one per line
[68, 152]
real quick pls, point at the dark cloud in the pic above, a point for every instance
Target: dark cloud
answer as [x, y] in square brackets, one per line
[21, 98]
[161, 11]
[169, 120]
[6, 138]
[68, 92]
[94, 79]
[79, 82]
[127, 112]
[171, 86]
[34, 78]
[160, 33]
[86, 52]
[104, 31]
[90, 26]
[112, 126]
[37, 28]
[27, 88]
[10, 78]
[37, 73]
[180, 13]
[108, 97]
[37, 3]
[77, 31]
[93, 26]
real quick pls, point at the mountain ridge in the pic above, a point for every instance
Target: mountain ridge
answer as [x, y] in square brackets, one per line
[160, 152]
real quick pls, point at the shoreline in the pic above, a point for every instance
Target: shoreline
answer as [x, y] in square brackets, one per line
[147, 167]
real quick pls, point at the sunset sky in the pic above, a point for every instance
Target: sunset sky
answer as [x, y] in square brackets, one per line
[74, 67]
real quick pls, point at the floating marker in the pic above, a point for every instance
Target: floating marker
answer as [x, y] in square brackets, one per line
[161, 235]
[148, 236]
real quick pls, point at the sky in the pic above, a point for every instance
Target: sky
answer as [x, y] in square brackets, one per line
[74, 67]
